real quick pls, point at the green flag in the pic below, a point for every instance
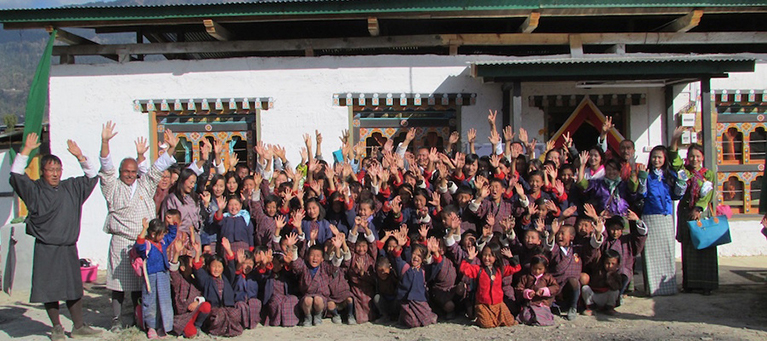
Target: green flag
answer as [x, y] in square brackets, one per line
[38, 97]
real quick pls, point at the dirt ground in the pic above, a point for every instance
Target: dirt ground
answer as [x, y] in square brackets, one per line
[735, 312]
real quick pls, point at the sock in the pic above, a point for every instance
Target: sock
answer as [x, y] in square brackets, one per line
[350, 309]
[334, 312]
[117, 302]
[198, 318]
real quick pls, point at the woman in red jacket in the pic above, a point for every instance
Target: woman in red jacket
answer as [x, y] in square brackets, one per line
[490, 310]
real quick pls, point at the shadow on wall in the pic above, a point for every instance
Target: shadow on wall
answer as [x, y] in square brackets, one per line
[266, 64]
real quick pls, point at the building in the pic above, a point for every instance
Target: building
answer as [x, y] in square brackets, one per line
[271, 71]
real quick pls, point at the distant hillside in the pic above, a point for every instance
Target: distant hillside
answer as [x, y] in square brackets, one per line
[20, 51]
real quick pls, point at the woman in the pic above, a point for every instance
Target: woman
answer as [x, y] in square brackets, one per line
[700, 268]
[183, 197]
[660, 184]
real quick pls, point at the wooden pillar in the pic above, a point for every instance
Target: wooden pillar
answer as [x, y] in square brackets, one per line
[516, 105]
[506, 89]
[708, 125]
[668, 91]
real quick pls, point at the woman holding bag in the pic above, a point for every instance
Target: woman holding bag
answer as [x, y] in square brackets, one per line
[661, 187]
[700, 268]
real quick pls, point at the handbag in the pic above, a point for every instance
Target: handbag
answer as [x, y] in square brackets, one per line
[709, 232]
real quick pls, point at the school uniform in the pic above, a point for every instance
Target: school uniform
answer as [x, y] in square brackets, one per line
[157, 304]
[281, 303]
[490, 309]
[537, 311]
[225, 319]
[411, 293]
[246, 300]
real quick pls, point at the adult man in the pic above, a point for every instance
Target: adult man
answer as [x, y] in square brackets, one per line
[129, 200]
[55, 207]
[625, 150]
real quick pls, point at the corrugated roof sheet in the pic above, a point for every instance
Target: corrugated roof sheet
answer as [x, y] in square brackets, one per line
[632, 58]
[317, 7]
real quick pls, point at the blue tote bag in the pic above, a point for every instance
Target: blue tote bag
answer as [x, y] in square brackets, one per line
[709, 232]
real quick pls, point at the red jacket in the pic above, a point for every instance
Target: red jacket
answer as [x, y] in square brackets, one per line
[489, 291]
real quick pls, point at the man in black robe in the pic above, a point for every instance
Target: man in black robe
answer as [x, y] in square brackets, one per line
[55, 208]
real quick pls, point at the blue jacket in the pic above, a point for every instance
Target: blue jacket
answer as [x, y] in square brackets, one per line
[659, 197]
[157, 259]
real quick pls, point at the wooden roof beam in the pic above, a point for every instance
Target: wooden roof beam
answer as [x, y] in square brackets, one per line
[685, 23]
[444, 40]
[216, 30]
[530, 24]
[73, 39]
[373, 27]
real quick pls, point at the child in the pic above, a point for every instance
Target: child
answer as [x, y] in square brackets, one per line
[314, 278]
[385, 298]
[156, 302]
[604, 290]
[340, 297]
[315, 220]
[361, 271]
[490, 309]
[235, 225]
[566, 265]
[191, 308]
[245, 288]
[212, 201]
[411, 291]
[537, 289]
[442, 285]
[627, 246]
[281, 303]
[216, 284]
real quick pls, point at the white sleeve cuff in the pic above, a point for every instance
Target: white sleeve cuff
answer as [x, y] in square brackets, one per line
[106, 163]
[19, 164]
[88, 169]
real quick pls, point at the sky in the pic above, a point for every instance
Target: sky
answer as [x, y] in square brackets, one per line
[5, 4]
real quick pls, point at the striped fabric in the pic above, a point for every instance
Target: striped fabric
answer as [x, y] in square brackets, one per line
[157, 306]
[659, 255]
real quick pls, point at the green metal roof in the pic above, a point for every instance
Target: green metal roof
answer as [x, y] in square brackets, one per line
[339, 7]
[613, 67]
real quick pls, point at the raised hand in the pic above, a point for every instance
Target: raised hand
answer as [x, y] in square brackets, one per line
[590, 211]
[308, 142]
[494, 138]
[334, 229]
[240, 255]
[75, 150]
[523, 135]
[338, 241]
[292, 238]
[141, 146]
[410, 136]
[631, 216]
[569, 211]
[507, 224]
[205, 196]
[508, 133]
[540, 223]
[454, 137]
[297, 217]
[471, 252]
[532, 209]
[584, 157]
[491, 117]
[549, 145]
[436, 199]
[506, 252]
[568, 139]
[559, 186]
[31, 143]
[218, 146]
[433, 245]
[280, 222]
[171, 139]
[519, 189]
[607, 125]
[396, 205]
[495, 160]
[318, 137]
[388, 146]
[471, 135]
[233, 161]
[107, 131]
[555, 226]
[226, 245]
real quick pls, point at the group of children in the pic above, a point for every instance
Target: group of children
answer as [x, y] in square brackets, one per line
[387, 234]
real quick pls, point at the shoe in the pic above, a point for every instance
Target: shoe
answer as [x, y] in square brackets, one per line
[572, 313]
[117, 326]
[588, 312]
[307, 322]
[449, 316]
[57, 333]
[383, 319]
[317, 319]
[85, 331]
[151, 334]
[336, 319]
[351, 320]
[610, 310]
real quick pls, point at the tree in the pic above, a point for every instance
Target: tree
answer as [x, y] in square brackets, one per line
[10, 121]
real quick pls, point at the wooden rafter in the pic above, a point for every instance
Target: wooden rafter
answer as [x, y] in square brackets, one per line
[73, 39]
[216, 30]
[373, 27]
[530, 24]
[576, 45]
[685, 23]
[444, 40]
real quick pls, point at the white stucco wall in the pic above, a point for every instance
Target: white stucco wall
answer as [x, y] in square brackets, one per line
[83, 97]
